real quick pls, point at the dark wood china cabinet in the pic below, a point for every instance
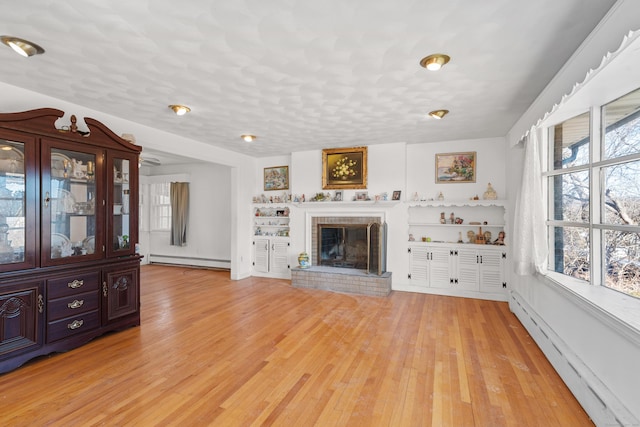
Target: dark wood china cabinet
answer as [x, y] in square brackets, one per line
[68, 228]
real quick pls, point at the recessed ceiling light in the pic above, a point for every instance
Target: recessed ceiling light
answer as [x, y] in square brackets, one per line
[248, 138]
[434, 62]
[22, 47]
[180, 110]
[438, 114]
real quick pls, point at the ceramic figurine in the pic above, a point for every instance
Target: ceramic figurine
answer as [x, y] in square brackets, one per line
[490, 194]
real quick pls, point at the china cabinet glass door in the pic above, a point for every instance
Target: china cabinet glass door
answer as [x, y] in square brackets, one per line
[17, 208]
[123, 210]
[72, 207]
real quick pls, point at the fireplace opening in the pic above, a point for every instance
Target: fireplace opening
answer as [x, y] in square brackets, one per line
[343, 246]
[356, 246]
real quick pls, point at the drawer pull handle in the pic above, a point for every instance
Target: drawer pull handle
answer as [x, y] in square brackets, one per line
[75, 304]
[75, 324]
[75, 284]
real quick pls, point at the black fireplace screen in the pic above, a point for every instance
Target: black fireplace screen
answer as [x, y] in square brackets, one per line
[359, 246]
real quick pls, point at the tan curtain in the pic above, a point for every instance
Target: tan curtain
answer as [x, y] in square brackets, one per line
[179, 194]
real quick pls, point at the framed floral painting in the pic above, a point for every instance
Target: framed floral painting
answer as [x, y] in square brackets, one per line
[276, 178]
[344, 168]
[456, 167]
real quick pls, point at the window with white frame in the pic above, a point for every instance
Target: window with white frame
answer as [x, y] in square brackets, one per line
[593, 181]
[160, 206]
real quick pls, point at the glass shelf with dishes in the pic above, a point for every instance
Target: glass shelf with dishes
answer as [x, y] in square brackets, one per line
[71, 197]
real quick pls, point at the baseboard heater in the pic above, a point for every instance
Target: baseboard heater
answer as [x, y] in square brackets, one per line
[190, 261]
[598, 401]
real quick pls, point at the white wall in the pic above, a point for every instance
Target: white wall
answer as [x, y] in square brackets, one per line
[596, 353]
[490, 168]
[208, 233]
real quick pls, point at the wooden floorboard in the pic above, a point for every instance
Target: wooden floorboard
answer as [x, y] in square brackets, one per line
[212, 351]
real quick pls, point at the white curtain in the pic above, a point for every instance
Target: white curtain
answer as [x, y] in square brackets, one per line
[179, 197]
[530, 236]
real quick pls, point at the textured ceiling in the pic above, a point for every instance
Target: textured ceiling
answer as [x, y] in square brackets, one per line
[300, 74]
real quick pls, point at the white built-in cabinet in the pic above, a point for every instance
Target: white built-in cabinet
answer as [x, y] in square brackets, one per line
[271, 241]
[464, 269]
[445, 254]
[459, 269]
[271, 256]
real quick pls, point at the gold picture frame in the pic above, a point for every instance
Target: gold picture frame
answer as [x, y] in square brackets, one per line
[458, 168]
[276, 178]
[344, 168]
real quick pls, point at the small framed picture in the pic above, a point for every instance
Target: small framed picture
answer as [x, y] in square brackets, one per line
[276, 178]
[456, 167]
[338, 197]
[362, 196]
[396, 195]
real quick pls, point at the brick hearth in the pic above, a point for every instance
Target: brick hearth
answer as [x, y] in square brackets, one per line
[341, 280]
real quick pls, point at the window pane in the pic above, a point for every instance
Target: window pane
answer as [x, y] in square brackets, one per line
[571, 252]
[622, 194]
[571, 197]
[570, 142]
[622, 126]
[622, 255]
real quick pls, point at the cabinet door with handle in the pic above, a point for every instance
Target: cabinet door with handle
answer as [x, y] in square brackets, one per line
[120, 293]
[21, 317]
[18, 178]
[122, 203]
[261, 255]
[72, 203]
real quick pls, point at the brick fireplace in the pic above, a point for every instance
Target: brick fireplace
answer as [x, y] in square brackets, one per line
[348, 254]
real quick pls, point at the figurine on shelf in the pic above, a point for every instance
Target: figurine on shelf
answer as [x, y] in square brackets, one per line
[500, 239]
[490, 194]
[460, 237]
[471, 236]
[440, 196]
[452, 218]
[411, 238]
[442, 219]
[74, 126]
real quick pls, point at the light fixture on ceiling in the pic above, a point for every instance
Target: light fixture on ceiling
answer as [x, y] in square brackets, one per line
[22, 47]
[180, 110]
[248, 138]
[438, 114]
[434, 62]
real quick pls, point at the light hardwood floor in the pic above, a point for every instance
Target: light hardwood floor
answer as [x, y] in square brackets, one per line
[212, 351]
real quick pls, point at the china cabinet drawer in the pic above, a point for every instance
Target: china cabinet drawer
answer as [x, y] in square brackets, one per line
[72, 305]
[66, 327]
[73, 284]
